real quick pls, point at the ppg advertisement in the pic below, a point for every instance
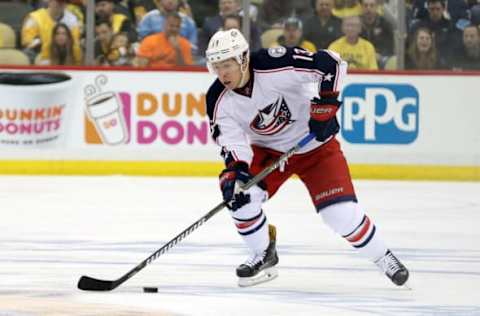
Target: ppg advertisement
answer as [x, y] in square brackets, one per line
[380, 113]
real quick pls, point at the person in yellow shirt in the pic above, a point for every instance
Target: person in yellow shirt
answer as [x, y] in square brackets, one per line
[61, 48]
[358, 52]
[38, 26]
[293, 36]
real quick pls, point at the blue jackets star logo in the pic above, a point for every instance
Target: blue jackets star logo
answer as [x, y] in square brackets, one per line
[272, 119]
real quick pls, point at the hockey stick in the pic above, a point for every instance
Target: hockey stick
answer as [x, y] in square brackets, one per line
[87, 283]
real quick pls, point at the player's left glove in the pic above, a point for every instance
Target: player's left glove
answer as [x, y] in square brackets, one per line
[231, 178]
[323, 122]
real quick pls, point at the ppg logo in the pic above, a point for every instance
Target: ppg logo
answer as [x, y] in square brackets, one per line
[380, 113]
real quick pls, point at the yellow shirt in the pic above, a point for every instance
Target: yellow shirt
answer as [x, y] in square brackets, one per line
[39, 24]
[343, 12]
[117, 21]
[77, 11]
[362, 55]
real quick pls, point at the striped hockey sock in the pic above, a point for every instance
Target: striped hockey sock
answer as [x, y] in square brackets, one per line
[254, 231]
[366, 239]
[362, 234]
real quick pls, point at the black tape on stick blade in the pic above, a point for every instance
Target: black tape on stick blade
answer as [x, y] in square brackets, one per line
[150, 289]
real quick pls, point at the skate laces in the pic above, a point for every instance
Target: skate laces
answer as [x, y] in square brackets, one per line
[255, 259]
[389, 264]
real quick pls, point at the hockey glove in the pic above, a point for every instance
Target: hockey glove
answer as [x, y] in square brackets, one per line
[323, 122]
[231, 178]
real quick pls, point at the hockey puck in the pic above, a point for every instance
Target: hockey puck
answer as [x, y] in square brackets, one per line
[150, 289]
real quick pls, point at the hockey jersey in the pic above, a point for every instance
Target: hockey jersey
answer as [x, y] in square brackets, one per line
[275, 114]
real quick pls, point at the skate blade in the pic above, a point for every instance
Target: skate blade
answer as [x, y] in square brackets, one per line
[406, 286]
[262, 277]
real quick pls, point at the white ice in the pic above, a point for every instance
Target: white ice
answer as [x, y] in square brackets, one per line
[55, 229]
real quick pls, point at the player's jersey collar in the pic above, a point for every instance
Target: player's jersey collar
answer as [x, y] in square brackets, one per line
[246, 90]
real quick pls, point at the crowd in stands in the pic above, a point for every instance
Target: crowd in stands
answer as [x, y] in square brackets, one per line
[441, 34]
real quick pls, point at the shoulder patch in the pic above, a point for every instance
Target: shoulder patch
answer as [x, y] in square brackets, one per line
[272, 58]
[277, 52]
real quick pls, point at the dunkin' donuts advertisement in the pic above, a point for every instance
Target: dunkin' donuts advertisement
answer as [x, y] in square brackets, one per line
[107, 111]
[148, 114]
[33, 109]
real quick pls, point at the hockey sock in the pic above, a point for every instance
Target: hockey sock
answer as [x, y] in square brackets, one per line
[349, 220]
[253, 229]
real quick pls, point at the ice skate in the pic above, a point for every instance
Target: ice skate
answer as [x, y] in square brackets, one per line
[393, 269]
[260, 268]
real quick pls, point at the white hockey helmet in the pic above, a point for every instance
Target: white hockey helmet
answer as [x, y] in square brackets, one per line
[225, 45]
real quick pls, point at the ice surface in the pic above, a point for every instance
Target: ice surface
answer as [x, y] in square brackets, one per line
[55, 229]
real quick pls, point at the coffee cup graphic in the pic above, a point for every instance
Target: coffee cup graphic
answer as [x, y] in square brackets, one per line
[105, 111]
[34, 108]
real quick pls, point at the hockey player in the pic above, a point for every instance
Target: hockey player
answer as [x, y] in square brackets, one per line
[259, 107]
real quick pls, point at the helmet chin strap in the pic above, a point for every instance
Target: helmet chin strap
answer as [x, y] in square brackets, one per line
[243, 69]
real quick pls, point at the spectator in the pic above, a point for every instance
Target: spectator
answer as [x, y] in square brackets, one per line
[444, 33]
[293, 36]
[273, 13]
[154, 22]
[166, 48]
[38, 26]
[422, 53]
[140, 8]
[103, 39]
[323, 28]
[202, 9]
[419, 9]
[377, 30]
[232, 21]
[468, 55]
[119, 22]
[358, 52]
[212, 24]
[457, 10]
[344, 8]
[61, 48]
[454, 9]
[121, 52]
[303, 9]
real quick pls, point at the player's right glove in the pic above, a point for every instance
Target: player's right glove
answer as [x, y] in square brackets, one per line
[323, 121]
[231, 178]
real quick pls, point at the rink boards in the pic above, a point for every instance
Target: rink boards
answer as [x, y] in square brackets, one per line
[394, 125]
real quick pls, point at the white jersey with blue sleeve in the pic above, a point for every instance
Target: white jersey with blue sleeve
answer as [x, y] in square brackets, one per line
[273, 109]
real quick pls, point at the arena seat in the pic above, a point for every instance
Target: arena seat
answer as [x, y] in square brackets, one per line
[10, 56]
[7, 36]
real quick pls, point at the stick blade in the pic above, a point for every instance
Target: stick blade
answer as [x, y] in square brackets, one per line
[87, 283]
